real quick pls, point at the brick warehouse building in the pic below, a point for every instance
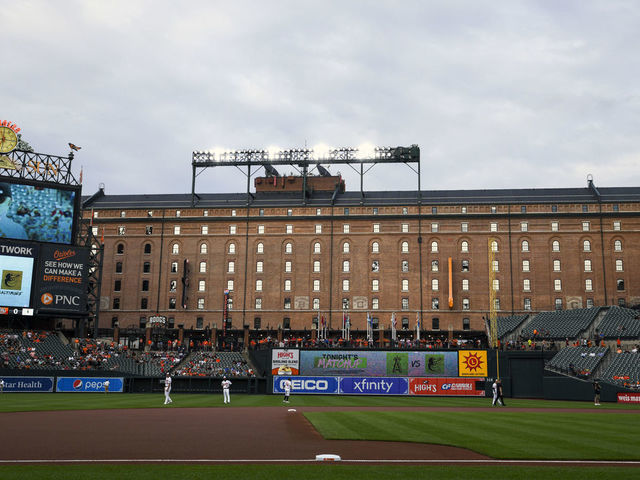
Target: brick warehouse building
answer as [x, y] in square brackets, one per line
[286, 262]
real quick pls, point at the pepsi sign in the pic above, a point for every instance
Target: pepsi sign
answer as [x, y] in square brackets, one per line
[88, 384]
[315, 385]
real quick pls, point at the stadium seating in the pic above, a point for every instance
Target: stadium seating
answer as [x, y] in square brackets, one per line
[507, 325]
[620, 323]
[577, 361]
[215, 364]
[624, 370]
[561, 324]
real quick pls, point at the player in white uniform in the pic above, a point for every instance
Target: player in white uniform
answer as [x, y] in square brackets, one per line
[1, 385]
[287, 390]
[226, 383]
[106, 386]
[167, 389]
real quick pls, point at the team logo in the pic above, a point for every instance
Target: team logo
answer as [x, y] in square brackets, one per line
[11, 280]
[473, 363]
[77, 384]
[46, 299]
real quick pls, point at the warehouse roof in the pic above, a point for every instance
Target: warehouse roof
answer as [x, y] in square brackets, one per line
[101, 200]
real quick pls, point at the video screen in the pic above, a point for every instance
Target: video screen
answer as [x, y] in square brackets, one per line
[15, 283]
[36, 213]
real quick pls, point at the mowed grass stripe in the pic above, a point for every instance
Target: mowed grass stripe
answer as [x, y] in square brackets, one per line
[23, 402]
[311, 472]
[496, 433]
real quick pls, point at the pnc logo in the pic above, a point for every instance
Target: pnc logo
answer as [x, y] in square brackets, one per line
[47, 299]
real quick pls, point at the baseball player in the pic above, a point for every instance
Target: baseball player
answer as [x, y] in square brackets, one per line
[496, 388]
[106, 386]
[167, 389]
[1, 385]
[226, 383]
[287, 390]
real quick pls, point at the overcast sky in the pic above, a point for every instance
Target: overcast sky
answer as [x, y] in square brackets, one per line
[497, 94]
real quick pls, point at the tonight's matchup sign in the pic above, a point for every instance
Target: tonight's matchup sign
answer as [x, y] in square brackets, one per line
[61, 277]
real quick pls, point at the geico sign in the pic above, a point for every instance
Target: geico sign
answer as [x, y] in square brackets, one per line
[308, 384]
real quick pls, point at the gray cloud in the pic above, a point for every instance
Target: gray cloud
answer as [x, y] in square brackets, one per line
[509, 94]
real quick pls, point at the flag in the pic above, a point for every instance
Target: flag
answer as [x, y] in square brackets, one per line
[80, 175]
[393, 319]
[102, 237]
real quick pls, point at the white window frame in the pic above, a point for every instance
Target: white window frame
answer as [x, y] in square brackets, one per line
[588, 285]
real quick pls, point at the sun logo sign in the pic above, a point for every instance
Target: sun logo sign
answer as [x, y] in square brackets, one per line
[472, 363]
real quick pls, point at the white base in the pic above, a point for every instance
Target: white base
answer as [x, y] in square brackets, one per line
[328, 457]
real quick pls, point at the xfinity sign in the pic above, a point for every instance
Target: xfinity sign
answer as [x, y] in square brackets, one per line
[315, 385]
[374, 386]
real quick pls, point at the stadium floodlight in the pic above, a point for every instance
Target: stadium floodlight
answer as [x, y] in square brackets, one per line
[366, 151]
[322, 150]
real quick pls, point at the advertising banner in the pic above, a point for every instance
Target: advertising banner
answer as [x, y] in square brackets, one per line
[374, 386]
[628, 397]
[378, 364]
[61, 279]
[315, 385]
[447, 386]
[16, 268]
[285, 361]
[27, 384]
[472, 363]
[88, 384]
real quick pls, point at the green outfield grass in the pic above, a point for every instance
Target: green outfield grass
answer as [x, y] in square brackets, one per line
[24, 402]
[311, 472]
[498, 433]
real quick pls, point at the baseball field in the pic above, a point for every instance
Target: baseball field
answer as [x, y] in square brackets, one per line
[83, 435]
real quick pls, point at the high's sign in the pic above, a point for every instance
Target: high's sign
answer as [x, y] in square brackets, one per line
[285, 361]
